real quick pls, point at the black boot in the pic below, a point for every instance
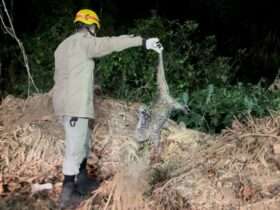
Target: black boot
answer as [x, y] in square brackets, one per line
[85, 184]
[68, 196]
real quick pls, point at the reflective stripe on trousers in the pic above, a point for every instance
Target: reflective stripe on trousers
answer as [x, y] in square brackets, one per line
[77, 143]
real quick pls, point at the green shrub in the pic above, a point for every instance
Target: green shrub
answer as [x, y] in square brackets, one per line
[191, 66]
[213, 109]
[189, 59]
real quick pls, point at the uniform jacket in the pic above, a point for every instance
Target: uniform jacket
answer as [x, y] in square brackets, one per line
[74, 70]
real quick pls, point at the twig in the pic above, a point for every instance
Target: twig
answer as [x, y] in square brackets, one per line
[11, 31]
[258, 135]
[110, 196]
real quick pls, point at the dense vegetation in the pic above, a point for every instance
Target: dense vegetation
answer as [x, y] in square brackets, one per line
[197, 74]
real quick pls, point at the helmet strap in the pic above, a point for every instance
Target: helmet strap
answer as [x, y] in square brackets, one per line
[90, 31]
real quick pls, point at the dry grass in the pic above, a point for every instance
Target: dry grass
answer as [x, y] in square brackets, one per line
[238, 169]
[28, 156]
[126, 189]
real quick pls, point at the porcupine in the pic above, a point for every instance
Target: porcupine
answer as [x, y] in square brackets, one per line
[151, 121]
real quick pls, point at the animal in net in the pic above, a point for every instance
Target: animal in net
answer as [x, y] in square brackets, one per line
[151, 120]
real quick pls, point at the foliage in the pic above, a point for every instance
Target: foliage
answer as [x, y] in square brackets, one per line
[191, 65]
[213, 109]
[189, 58]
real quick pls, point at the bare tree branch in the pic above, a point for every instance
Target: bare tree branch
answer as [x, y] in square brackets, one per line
[11, 31]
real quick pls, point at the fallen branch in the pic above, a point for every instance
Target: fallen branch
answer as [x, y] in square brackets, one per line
[258, 135]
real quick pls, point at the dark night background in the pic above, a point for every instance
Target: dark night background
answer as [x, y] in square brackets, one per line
[237, 24]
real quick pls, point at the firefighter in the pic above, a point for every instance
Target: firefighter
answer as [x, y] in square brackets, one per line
[73, 94]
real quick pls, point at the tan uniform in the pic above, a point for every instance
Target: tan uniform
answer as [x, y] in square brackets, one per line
[73, 89]
[74, 70]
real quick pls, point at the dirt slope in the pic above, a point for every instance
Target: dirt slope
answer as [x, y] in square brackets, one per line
[238, 169]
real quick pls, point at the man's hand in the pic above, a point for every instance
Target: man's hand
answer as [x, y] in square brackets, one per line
[153, 44]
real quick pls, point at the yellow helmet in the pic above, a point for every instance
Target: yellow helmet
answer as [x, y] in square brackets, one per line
[87, 17]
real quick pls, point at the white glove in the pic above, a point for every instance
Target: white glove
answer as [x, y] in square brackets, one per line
[153, 44]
